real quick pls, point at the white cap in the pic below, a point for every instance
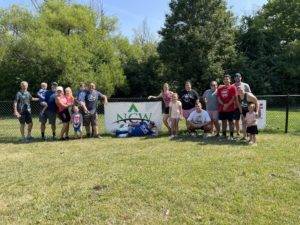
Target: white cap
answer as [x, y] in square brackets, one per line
[60, 88]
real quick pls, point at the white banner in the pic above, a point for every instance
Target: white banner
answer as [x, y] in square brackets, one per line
[262, 114]
[118, 113]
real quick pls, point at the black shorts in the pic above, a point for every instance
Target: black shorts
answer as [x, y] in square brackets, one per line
[64, 116]
[236, 114]
[48, 115]
[252, 130]
[226, 116]
[166, 110]
[244, 111]
[25, 117]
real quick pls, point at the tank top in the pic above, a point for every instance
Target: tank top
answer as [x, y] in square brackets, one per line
[244, 102]
[167, 97]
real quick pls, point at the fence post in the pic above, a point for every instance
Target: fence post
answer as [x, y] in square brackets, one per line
[287, 107]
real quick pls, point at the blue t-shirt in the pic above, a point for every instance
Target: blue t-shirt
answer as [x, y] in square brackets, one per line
[140, 130]
[80, 95]
[212, 100]
[91, 100]
[41, 94]
[50, 100]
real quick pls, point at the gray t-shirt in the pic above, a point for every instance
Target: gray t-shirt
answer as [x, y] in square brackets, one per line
[243, 86]
[91, 100]
[23, 99]
[211, 100]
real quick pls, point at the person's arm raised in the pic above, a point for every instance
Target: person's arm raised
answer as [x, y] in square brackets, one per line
[152, 96]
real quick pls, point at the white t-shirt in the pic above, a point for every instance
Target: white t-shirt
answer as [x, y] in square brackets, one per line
[199, 118]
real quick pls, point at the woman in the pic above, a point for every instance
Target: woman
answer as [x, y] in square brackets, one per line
[166, 95]
[188, 98]
[244, 100]
[63, 112]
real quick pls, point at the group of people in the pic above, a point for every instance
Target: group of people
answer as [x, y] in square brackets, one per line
[80, 110]
[228, 103]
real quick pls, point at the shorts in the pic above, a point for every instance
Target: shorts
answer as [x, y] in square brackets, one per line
[252, 130]
[48, 115]
[214, 115]
[166, 110]
[226, 116]
[64, 116]
[187, 112]
[77, 129]
[237, 114]
[90, 119]
[25, 117]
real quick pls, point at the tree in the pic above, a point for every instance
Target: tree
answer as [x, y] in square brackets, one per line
[62, 42]
[197, 41]
[269, 40]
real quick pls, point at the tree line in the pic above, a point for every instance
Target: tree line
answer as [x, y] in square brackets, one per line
[200, 41]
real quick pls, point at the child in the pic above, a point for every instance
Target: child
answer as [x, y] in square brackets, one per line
[76, 120]
[175, 113]
[251, 123]
[41, 94]
[70, 98]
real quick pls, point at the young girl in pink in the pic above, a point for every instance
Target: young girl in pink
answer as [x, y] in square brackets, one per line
[70, 99]
[175, 113]
[251, 124]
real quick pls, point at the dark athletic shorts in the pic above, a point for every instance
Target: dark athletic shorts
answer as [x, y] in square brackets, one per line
[252, 130]
[166, 110]
[25, 117]
[48, 115]
[226, 116]
[64, 116]
[90, 119]
[237, 114]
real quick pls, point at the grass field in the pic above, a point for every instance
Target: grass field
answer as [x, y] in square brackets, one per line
[150, 181]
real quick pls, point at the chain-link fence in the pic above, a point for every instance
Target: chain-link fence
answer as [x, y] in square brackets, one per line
[283, 115]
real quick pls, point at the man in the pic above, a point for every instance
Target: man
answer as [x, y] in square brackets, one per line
[50, 112]
[244, 100]
[199, 119]
[188, 98]
[22, 110]
[139, 129]
[211, 100]
[239, 84]
[90, 119]
[227, 97]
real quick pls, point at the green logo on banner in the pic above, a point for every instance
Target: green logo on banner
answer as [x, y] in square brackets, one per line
[133, 109]
[133, 114]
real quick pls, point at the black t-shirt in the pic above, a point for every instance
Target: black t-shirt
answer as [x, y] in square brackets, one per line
[188, 99]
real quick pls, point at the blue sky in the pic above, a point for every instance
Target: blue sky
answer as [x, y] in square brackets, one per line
[131, 13]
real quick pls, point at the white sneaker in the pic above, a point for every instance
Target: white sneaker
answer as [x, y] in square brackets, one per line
[171, 137]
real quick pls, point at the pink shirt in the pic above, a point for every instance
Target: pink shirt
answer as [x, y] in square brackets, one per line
[175, 109]
[251, 119]
[61, 102]
[167, 97]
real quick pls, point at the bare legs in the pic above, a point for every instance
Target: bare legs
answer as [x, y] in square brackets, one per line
[165, 121]
[174, 126]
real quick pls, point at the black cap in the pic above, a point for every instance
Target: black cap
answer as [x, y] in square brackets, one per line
[54, 84]
[237, 75]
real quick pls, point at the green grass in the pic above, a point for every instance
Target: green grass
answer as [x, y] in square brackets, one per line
[137, 180]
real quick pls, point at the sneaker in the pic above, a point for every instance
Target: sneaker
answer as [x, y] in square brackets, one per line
[217, 135]
[171, 137]
[205, 136]
[62, 139]
[231, 138]
[67, 138]
[29, 138]
[98, 136]
[193, 134]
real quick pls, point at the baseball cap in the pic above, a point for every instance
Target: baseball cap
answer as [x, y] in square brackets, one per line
[59, 88]
[54, 84]
[237, 75]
